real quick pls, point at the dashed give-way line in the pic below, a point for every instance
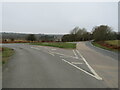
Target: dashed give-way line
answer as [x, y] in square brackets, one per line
[94, 74]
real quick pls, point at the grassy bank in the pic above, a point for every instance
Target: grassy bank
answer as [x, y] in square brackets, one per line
[6, 53]
[56, 44]
[112, 45]
[113, 42]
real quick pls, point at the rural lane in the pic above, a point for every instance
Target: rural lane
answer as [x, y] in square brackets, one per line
[104, 62]
[35, 66]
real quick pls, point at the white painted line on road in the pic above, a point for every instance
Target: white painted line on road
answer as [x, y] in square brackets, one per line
[63, 55]
[53, 49]
[44, 51]
[82, 69]
[36, 48]
[76, 63]
[33, 47]
[75, 54]
[91, 69]
[51, 54]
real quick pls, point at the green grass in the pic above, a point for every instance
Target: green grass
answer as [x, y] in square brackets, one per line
[56, 44]
[6, 53]
[103, 47]
[113, 42]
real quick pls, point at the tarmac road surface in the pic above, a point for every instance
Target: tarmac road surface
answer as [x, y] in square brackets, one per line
[35, 66]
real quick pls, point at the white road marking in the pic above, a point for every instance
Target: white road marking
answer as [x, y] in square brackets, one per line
[51, 53]
[44, 51]
[53, 49]
[91, 69]
[36, 48]
[76, 63]
[82, 70]
[68, 56]
[63, 55]
[75, 54]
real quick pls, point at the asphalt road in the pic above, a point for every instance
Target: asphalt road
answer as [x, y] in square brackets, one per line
[104, 62]
[47, 67]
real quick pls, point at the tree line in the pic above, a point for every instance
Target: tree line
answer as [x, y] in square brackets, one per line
[98, 33]
[29, 37]
[32, 37]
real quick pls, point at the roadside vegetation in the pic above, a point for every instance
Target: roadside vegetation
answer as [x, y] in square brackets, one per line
[6, 53]
[56, 44]
[102, 36]
[113, 42]
[112, 45]
[105, 38]
[98, 33]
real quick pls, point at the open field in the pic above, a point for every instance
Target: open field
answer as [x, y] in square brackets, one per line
[6, 53]
[113, 42]
[112, 45]
[56, 44]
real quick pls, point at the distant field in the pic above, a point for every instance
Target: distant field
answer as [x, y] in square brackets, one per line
[6, 53]
[113, 42]
[112, 45]
[56, 44]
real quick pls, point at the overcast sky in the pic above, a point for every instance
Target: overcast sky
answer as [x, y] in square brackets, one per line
[51, 17]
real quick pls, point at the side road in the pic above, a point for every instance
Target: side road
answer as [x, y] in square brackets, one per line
[104, 62]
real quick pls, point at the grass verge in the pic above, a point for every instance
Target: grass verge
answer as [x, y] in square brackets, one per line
[56, 44]
[6, 53]
[104, 47]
